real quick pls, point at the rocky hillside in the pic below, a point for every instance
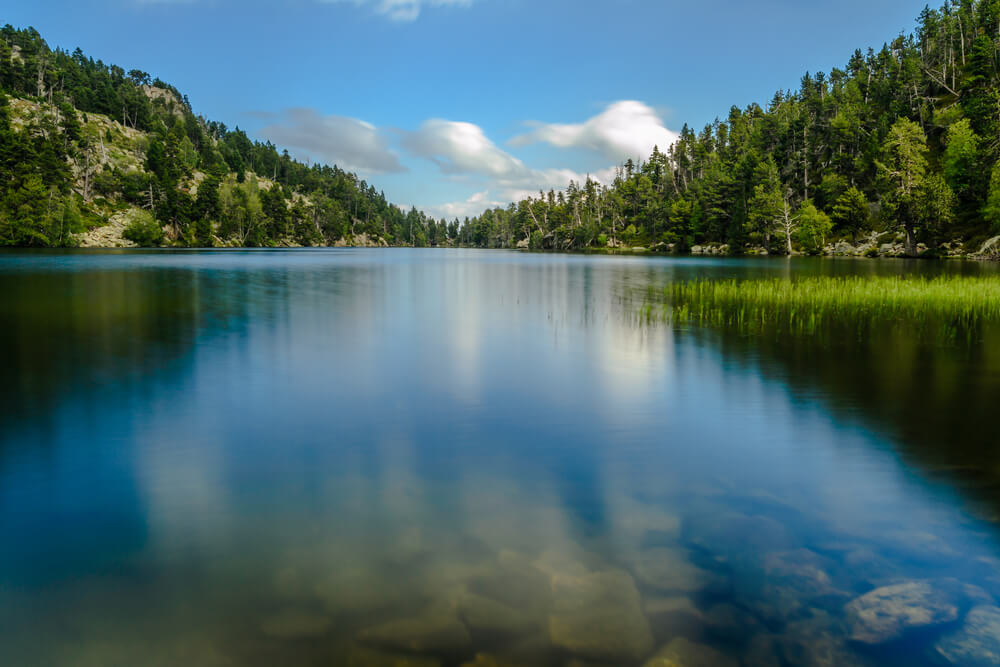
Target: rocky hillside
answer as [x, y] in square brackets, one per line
[92, 154]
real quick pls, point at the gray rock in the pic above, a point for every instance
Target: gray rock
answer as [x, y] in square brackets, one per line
[697, 250]
[295, 624]
[977, 642]
[486, 660]
[889, 613]
[886, 249]
[761, 651]
[731, 623]
[436, 632]
[684, 653]
[365, 657]
[817, 639]
[803, 570]
[670, 570]
[483, 615]
[597, 617]
[739, 537]
[843, 248]
[867, 566]
[516, 582]
[673, 616]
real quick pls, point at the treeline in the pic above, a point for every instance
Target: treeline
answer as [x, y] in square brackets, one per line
[183, 179]
[902, 140]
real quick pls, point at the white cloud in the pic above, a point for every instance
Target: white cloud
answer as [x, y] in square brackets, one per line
[626, 129]
[351, 144]
[405, 11]
[470, 207]
[462, 148]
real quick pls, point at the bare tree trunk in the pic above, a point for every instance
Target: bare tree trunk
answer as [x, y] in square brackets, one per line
[788, 223]
[910, 246]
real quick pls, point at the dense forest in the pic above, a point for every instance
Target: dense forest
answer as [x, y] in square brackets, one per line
[83, 143]
[900, 145]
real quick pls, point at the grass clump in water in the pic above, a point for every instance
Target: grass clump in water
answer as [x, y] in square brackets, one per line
[947, 306]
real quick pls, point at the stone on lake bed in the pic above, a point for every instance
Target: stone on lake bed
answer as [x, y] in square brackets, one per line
[515, 581]
[671, 616]
[486, 660]
[295, 624]
[730, 623]
[890, 612]
[669, 569]
[597, 617]
[366, 657]
[737, 536]
[977, 642]
[681, 652]
[483, 615]
[436, 632]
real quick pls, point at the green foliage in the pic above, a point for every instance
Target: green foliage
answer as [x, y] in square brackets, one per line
[143, 230]
[942, 307]
[870, 131]
[813, 228]
[850, 212]
[901, 173]
[767, 204]
[991, 211]
[910, 127]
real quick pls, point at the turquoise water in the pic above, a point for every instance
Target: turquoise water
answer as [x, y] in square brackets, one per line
[411, 457]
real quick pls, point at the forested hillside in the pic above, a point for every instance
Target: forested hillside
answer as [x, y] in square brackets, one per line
[84, 143]
[895, 153]
[896, 149]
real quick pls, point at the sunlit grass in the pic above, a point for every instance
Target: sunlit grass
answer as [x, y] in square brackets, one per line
[945, 306]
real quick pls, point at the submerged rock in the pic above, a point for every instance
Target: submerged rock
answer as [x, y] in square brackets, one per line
[437, 632]
[516, 582]
[817, 639]
[486, 660]
[684, 653]
[295, 624]
[888, 613]
[597, 616]
[867, 566]
[802, 570]
[670, 570]
[486, 616]
[731, 623]
[672, 616]
[739, 537]
[977, 642]
[366, 657]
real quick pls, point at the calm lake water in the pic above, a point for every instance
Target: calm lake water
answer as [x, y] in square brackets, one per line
[411, 457]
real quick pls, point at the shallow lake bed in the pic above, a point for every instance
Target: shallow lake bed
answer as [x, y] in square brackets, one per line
[446, 457]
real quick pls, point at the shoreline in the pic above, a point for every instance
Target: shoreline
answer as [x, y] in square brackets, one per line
[624, 252]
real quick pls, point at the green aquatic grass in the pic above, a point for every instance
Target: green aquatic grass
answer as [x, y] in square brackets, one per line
[946, 306]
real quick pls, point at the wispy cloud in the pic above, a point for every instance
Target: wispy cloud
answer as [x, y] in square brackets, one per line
[626, 129]
[347, 142]
[470, 207]
[462, 151]
[405, 11]
[462, 148]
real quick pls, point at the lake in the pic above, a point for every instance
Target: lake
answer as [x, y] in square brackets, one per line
[439, 457]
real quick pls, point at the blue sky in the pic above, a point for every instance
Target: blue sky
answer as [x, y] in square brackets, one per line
[451, 105]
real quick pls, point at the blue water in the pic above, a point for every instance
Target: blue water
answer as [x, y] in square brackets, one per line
[264, 457]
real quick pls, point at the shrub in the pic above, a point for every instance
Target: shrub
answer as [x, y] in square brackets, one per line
[143, 230]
